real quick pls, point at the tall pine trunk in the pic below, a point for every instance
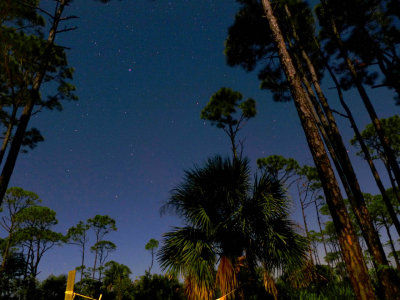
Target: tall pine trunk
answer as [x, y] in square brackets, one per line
[33, 99]
[351, 249]
[365, 150]
[395, 256]
[7, 136]
[389, 281]
[388, 152]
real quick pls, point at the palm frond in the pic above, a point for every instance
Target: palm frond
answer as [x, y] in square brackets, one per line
[269, 284]
[226, 217]
[226, 279]
[186, 251]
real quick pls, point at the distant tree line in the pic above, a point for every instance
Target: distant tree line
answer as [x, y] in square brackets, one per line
[27, 234]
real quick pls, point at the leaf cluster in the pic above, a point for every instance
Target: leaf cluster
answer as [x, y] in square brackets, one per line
[228, 216]
[391, 128]
[223, 105]
[250, 42]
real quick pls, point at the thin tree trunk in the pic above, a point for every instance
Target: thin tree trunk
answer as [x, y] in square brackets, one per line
[391, 82]
[395, 256]
[29, 259]
[302, 202]
[364, 96]
[345, 168]
[388, 278]
[392, 182]
[343, 165]
[7, 136]
[232, 134]
[7, 248]
[364, 148]
[307, 232]
[94, 266]
[13, 115]
[348, 176]
[320, 230]
[83, 260]
[152, 258]
[30, 103]
[351, 249]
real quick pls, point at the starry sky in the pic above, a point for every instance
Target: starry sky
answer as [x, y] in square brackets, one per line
[143, 71]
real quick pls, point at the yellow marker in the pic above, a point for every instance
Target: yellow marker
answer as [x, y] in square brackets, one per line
[69, 291]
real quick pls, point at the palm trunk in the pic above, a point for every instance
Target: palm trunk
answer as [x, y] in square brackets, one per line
[31, 101]
[351, 249]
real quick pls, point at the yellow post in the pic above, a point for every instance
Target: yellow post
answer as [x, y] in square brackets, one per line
[69, 291]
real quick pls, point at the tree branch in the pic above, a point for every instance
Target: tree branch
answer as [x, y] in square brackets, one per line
[67, 29]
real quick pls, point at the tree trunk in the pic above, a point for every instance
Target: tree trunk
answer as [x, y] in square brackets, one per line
[83, 260]
[351, 249]
[392, 182]
[364, 148]
[388, 279]
[152, 258]
[395, 256]
[95, 262]
[305, 223]
[7, 136]
[388, 152]
[391, 82]
[31, 101]
[8, 246]
[320, 230]
[346, 172]
[232, 134]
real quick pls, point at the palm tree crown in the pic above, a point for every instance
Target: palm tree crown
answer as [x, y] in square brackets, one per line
[230, 223]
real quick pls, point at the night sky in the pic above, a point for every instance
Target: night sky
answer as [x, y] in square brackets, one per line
[143, 71]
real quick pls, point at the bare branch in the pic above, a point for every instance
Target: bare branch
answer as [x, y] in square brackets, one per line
[69, 18]
[38, 8]
[67, 29]
[379, 86]
[340, 114]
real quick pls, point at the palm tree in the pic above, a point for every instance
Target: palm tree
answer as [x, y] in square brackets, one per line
[229, 223]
